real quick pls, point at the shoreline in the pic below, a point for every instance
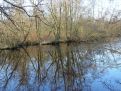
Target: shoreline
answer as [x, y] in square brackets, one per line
[57, 43]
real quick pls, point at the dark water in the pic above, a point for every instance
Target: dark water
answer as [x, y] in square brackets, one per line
[83, 67]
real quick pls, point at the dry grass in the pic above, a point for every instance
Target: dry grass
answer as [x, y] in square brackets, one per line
[29, 31]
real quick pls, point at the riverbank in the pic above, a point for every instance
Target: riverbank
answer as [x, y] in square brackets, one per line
[57, 43]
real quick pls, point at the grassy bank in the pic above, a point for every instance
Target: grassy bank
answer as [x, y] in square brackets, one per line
[29, 35]
[15, 43]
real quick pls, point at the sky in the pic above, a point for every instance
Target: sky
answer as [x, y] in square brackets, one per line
[100, 6]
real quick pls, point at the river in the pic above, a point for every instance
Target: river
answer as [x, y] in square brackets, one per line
[68, 67]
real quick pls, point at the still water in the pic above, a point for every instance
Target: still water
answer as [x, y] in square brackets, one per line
[74, 67]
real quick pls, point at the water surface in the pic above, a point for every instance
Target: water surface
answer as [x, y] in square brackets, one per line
[73, 67]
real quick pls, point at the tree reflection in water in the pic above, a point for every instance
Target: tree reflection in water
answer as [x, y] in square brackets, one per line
[60, 68]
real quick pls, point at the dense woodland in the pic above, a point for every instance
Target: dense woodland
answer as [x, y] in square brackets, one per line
[43, 21]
